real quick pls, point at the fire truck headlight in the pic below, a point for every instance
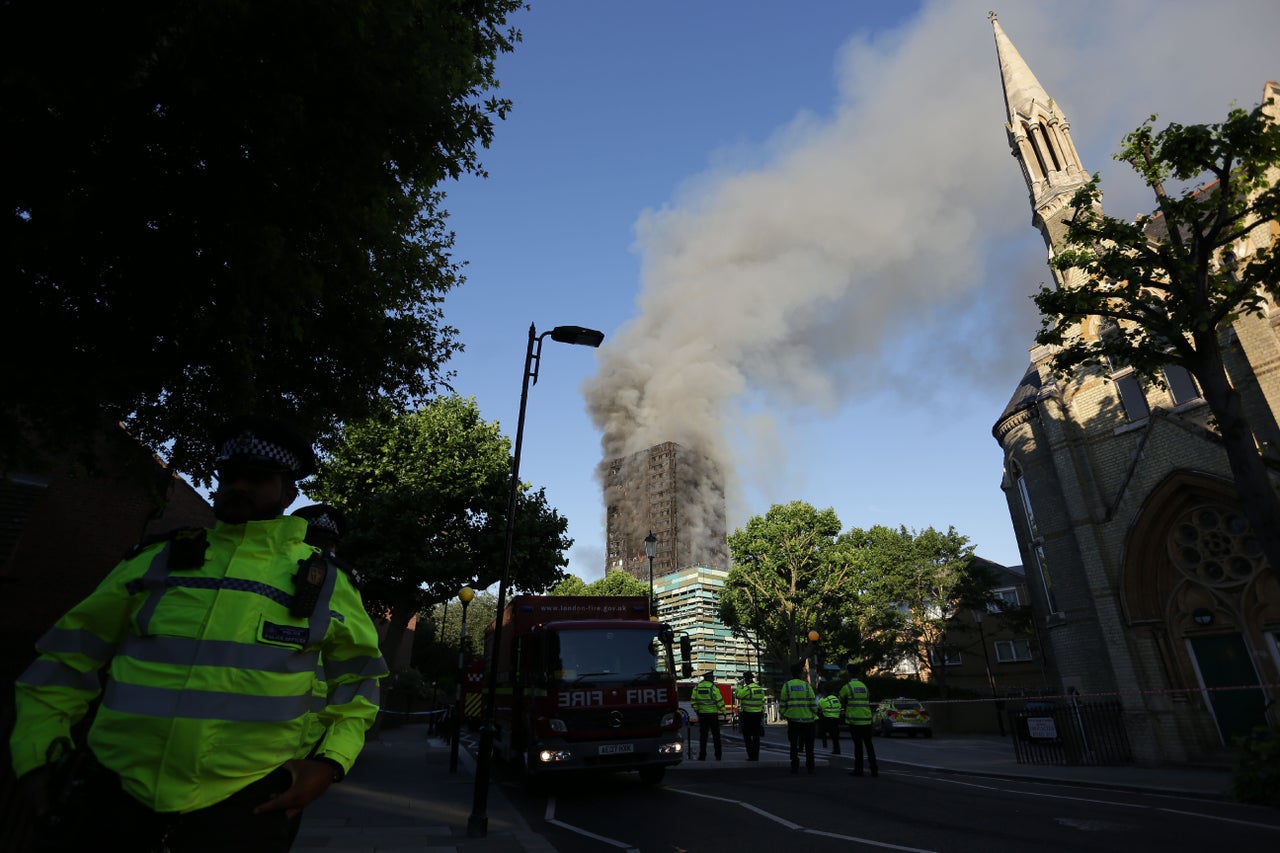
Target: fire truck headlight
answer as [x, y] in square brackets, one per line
[551, 756]
[674, 748]
[557, 725]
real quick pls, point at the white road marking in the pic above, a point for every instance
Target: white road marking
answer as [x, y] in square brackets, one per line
[550, 816]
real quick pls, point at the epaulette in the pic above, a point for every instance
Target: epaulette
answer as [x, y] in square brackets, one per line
[188, 546]
[352, 572]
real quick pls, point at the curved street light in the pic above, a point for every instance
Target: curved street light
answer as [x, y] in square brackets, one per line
[478, 822]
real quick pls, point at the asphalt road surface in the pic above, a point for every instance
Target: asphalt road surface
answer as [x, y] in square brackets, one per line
[766, 808]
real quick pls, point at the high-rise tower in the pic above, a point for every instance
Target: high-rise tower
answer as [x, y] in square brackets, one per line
[673, 492]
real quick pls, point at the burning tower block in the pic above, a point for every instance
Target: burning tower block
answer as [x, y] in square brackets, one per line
[676, 493]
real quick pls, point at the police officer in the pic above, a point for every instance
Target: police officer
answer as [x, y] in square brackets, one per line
[750, 698]
[829, 713]
[857, 713]
[798, 705]
[325, 526]
[709, 704]
[240, 674]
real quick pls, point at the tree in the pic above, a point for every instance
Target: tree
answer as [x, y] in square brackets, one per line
[911, 583]
[1169, 287]
[787, 579]
[426, 494]
[613, 583]
[219, 207]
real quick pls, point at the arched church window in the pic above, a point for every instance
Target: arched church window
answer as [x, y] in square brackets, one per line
[1215, 546]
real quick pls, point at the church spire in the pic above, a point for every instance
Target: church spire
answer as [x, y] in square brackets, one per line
[1039, 137]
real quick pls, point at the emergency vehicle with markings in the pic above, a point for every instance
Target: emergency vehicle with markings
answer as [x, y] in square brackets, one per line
[586, 683]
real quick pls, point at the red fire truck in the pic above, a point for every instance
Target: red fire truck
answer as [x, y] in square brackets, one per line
[585, 683]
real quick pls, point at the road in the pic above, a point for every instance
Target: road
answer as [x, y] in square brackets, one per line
[766, 808]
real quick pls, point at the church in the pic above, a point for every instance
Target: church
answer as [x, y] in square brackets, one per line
[1147, 582]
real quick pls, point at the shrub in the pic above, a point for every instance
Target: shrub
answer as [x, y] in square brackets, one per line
[1256, 777]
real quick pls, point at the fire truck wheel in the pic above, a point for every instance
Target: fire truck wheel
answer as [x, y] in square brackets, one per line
[652, 775]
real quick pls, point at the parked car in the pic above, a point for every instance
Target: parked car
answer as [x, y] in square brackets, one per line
[901, 715]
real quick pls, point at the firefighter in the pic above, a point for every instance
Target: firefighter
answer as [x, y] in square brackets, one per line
[750, 698]
[799, 707]
[830, 711]
[709, 704]
[241, 673]
[857, 714]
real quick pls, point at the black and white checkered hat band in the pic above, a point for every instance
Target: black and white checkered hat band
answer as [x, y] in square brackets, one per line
[256, 448]
[324, 522]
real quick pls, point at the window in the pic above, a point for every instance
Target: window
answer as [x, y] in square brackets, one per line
[1006, 598]
[1182, 385]
[1036, 543]
[1131, 396]
[1009, 651]
[945, 655]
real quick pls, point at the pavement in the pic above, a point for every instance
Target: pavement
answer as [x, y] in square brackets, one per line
[401, 795]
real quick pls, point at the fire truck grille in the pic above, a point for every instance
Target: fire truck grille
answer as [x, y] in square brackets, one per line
[597, 719]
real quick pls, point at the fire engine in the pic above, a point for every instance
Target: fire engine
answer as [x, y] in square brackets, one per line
[585, 683]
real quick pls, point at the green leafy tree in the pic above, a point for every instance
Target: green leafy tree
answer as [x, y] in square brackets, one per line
[426, 496]
[613, 583]
[216, 207]
[789, 577]
[1169, 287]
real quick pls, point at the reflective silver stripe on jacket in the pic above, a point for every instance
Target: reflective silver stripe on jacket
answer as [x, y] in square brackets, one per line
[365, 666]
[76, 641]
[344, 693]
[44, 672]
[203, 704]
[182, 651]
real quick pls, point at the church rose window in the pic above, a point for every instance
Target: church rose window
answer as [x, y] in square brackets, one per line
[1215, 546]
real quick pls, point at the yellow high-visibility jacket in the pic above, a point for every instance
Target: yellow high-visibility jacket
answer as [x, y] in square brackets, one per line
[210, 683]
[857, 703]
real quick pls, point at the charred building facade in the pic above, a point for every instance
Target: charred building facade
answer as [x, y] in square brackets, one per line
[673, 492]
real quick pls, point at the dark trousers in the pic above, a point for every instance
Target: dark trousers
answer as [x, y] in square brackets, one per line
[752, 728]
[800, 735]
[104, 817]
[861, 735]
[708, 724]
[830, 728]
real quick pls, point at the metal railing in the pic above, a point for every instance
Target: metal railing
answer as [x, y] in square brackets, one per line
[1071, 733]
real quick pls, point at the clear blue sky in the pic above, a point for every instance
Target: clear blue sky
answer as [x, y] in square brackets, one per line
[801, 225]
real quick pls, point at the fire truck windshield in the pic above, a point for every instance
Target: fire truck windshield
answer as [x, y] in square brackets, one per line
[609, 655]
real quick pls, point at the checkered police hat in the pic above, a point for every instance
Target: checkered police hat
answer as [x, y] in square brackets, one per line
[324, 519]
[264, 443]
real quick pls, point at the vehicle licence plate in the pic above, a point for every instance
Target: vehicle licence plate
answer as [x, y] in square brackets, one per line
[616, 748]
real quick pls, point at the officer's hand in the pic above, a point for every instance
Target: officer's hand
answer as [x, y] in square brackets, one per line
[310, 780]
[34, 788]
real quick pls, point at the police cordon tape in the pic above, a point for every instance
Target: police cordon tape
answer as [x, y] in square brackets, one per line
[1114, 694]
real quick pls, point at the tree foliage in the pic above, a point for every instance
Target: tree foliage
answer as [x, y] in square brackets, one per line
[876, 597]
[426, 496]
[910, 585]
[788, 577]
[613, 583]
[1168, 287]
[216, 207]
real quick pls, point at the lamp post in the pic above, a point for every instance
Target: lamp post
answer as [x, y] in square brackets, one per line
[464, 595]
[814, 636]
[651, 551]
[991, 680]
[478, 822]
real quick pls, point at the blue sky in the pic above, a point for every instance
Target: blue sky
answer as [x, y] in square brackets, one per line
[802, 233]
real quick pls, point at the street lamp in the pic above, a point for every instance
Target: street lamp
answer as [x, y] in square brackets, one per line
[651, 551]
[813, 647]
[986, 657]
[478, 823]
[464, 595]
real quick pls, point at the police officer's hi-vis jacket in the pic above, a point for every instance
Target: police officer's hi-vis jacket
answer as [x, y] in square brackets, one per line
[212, 682]
[857, 703]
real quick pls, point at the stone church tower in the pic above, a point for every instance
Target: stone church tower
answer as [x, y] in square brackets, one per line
[1145, 576]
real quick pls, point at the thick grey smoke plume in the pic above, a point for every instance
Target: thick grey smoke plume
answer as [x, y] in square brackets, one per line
[858, 251]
